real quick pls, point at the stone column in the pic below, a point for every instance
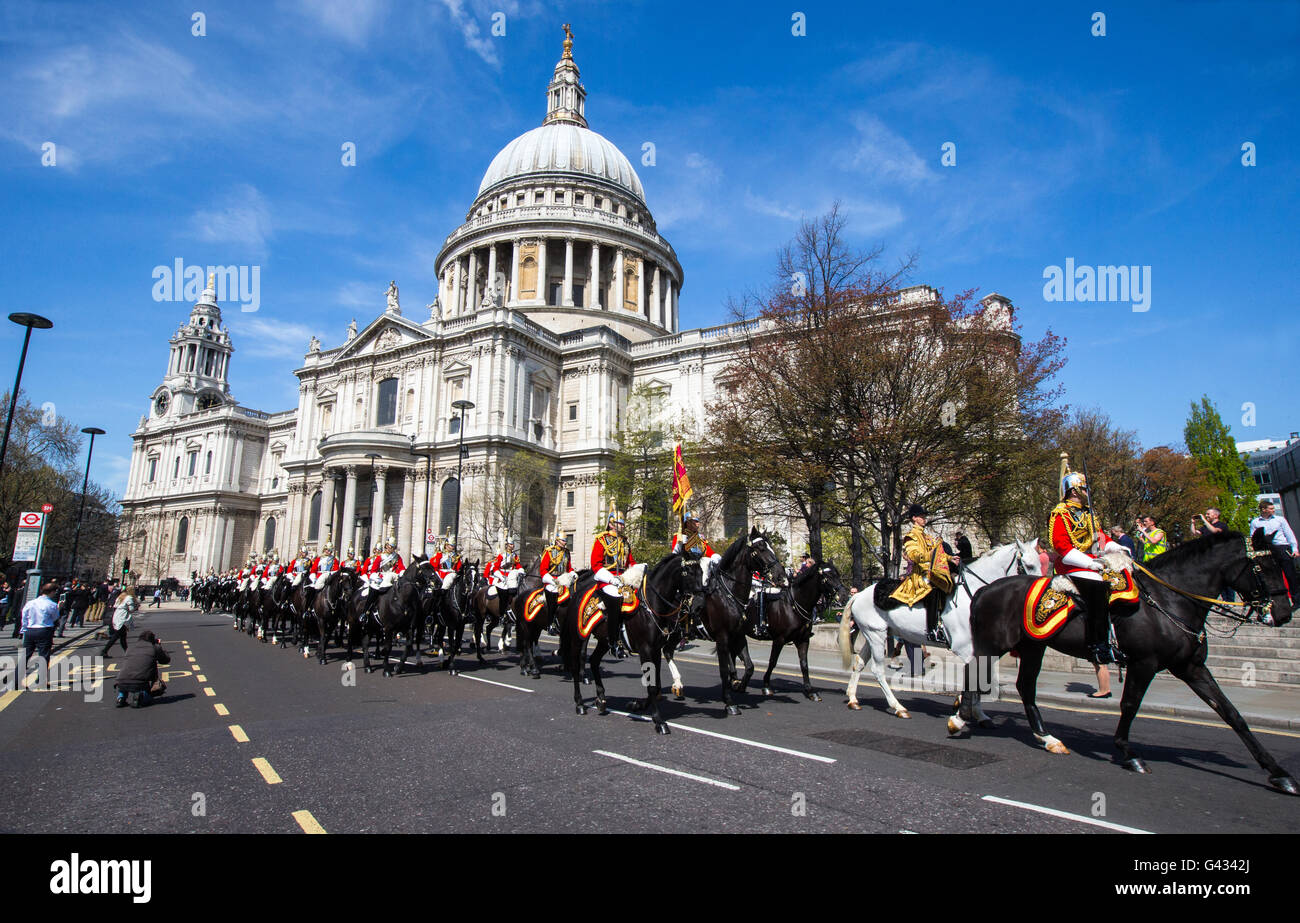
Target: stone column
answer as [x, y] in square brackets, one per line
[640, 288]
[657, 312]
[567, 295]
[405, 532]
[420, 510]
[617, 300]
[472, 292]
[346, 535]
[327, 528]
[514, 271]
[377, 536]
[543, 284]
[492, 264]
[593, 282]
[454, 301]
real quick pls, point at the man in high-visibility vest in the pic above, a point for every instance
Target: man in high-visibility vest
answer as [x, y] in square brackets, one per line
[1154, 541]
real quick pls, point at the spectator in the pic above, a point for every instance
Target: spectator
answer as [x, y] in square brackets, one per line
[1154, 541]
[78, 603]
[38, 620]
[1209, 523]
[1123, 538]
[964, 550]
[1103, 682]
[157, 598]
[1285, 548]
[16, 577]
[138, 676]
[124, 609]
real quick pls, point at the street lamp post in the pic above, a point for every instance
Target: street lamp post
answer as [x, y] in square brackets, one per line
[92, 431]
[29, 321]
[462, 406]
[428, 476]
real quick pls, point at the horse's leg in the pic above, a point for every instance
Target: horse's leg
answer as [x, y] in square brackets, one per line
[1031, 662]
[655, 693]
[602, 707]
[1140, 674]
[778, 642]
[808, 691]
[727, 670]
[749, 664]
[1198, 676]
[678, 689]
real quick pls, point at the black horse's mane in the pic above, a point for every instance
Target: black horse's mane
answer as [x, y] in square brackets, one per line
[729, 556]
[664, 560]
[1193, 549]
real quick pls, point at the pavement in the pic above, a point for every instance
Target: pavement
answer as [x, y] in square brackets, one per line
[252, 737]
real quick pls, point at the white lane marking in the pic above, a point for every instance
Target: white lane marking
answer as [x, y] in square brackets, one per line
[671, 772]
[1065, 815]
[738, 740]
[479, 679]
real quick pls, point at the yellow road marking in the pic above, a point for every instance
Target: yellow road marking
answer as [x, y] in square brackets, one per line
[221, 709]
[208, 690]
[308, 823]
[8, 697]
[194, 666]
[201, 678]
[269, 774]
[238, 733]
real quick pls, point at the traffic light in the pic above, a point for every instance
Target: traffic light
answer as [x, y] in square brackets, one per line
[126, 566]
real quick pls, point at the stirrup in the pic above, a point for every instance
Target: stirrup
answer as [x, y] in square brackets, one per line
[1101, 654]
[938, 635]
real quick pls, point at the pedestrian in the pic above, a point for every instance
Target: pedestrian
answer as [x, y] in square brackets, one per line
[38, 620]
[1209, 523]
[1281, 538]
[17, 579]
[1103, 682]
[1154, 540]
[157, 598]
[124, 609]
[964, 550]
[78, 603]
[1123, 538]
[138, 676]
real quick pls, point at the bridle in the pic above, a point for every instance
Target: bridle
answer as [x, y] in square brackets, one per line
[1261, 603]
[1017, 561]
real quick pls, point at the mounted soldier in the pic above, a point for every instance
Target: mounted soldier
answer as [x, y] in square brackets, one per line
[299, 567]
[446, 563]
[929, 577]
[498, 571]
[556, 562]
[692, 546]
[611, 555]
[385, 567]
[1078, 539]
[321, 569]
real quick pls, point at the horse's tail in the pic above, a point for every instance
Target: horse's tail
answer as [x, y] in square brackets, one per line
[846, 631]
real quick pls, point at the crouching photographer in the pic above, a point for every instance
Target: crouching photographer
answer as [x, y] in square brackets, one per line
[137, 679]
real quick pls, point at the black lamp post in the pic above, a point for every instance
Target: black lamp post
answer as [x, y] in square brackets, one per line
[428, 476]
[461, 406]
[92, 431]
[29, 321]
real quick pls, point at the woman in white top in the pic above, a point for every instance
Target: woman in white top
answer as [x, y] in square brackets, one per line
[124, 610]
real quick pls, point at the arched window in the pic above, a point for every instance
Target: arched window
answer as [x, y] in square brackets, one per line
[182, 534]
[313, 523]
[386, 410]
[268, 536]
[536, 519]
[447, 519]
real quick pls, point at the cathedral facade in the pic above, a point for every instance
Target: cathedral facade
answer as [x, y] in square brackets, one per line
[557, 298]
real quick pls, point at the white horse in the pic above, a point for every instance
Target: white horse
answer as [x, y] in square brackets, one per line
[908, 622]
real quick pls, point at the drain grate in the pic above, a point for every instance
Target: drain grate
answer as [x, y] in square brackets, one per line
[909, 748]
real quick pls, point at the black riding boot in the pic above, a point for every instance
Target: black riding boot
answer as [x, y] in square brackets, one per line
[1096, 599]
[934, 631]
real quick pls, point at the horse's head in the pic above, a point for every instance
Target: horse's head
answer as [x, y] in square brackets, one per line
[1261, 581]
[833, 584]
[1027, 560]
[759, 555]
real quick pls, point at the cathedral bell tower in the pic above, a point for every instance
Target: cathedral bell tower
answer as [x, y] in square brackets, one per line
[198, 367]
[566, 97]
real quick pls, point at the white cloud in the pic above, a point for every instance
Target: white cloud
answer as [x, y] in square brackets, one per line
[884, 154]
[267, 338]
[240, 217]
[350, 20]
[471, 31]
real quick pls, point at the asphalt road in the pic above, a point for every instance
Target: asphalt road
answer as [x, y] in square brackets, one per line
[254, 738]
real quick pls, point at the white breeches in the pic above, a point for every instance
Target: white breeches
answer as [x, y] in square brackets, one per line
[448, 580]
[297, 580]
[707, 565]
[611, 582]
[383, 580]
[549, 581]
[319, 582]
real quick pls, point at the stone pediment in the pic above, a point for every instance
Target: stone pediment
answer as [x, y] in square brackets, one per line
[385, 334]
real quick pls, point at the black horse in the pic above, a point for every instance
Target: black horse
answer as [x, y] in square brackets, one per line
[792, 615]
[725, 599]
[529, 631]
[492, 609]
[1167, 632]
[399, 611]
[326, 611]
[452, 608]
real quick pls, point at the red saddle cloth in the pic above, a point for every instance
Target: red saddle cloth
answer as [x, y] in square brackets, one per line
[590, 611]
[1046, 609]
[534, 605]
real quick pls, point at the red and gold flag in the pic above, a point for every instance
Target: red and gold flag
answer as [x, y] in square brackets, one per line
[681, 483]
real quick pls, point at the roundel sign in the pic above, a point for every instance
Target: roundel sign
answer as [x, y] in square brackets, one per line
[47, 508]
[30, 520]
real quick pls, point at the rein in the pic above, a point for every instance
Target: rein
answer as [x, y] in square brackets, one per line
[1223, 607]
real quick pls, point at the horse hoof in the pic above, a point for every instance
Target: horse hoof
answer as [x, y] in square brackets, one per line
[454, 672]
[679, 692]
[733, 710]
[582, 709]
[767, 691]
[586, 681]
[1133, 764]
[903, 713]
[661, 729]
[985, 724]
[737, 686]
[602, 707]
[1057, 747]
[813, 697]
[853, 704]
[1285, 784]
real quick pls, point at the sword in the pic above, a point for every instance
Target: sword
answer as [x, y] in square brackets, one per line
[1093, 525]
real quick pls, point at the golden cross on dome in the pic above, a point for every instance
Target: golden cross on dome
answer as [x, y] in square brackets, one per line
[568, 40]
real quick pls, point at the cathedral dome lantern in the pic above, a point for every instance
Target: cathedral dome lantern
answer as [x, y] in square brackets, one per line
[560, 229]
[198, 365]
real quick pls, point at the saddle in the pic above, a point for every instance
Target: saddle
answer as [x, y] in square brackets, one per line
[1052, 600]
[883, 595]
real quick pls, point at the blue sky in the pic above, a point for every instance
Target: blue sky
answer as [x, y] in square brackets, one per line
[225, 149]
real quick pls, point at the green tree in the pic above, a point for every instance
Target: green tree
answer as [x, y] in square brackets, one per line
[1212, 445]
[639, 477]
